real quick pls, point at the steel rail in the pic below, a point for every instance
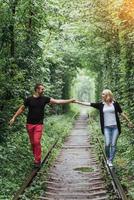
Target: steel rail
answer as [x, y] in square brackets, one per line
[117, 185]
[33, 173]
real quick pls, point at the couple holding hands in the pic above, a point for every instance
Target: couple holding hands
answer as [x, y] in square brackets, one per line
[109, 110]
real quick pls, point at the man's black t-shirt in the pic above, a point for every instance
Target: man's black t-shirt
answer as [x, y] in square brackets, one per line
[36, 107]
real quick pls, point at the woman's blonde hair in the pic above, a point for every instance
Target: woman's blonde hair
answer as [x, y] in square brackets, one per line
[108, 95]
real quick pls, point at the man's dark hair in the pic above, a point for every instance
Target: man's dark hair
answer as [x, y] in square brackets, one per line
[37, 86]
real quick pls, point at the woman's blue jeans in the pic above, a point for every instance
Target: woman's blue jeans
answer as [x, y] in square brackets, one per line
[111, 134]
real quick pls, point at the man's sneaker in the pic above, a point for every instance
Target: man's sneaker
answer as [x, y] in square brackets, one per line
[109, 163]
[37, 165]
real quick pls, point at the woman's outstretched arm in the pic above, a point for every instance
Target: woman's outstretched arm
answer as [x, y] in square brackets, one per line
[83, 103]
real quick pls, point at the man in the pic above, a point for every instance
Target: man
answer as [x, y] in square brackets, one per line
[36, 104]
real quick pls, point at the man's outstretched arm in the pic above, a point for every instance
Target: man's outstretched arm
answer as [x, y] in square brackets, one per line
[19, 111]
[61, 101]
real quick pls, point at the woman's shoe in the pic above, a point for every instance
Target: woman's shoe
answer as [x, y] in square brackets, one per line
[109, 162]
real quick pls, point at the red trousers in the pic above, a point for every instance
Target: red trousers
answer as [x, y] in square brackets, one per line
[35, 133]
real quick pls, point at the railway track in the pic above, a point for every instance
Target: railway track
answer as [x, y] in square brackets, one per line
[76, 173]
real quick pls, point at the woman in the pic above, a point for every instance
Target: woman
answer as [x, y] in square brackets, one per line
[110, 122]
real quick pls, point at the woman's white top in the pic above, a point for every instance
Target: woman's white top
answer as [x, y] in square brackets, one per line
[109, 115]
